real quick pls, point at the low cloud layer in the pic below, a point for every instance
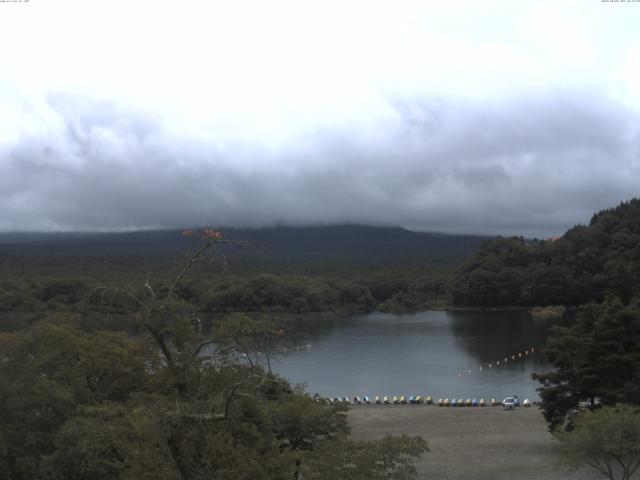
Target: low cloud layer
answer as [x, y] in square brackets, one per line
[532, 163]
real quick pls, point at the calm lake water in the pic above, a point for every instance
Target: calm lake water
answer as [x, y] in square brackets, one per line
[427, 353]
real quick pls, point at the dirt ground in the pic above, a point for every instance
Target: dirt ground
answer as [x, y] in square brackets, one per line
[487, 443]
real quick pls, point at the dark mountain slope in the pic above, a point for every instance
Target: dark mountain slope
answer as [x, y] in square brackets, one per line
[327, 242]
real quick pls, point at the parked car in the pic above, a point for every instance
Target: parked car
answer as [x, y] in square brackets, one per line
[509, 403]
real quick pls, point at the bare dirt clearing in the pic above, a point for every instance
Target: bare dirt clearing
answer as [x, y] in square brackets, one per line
[471, 443]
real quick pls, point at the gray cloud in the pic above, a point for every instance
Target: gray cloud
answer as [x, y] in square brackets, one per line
[534, 164]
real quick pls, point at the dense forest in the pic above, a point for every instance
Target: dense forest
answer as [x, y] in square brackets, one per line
[35, 284]
[586, 264]
[80, 403]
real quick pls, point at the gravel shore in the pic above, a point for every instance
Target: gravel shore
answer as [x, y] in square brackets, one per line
[487, 443]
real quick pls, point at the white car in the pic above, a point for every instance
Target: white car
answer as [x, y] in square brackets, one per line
[509, 403]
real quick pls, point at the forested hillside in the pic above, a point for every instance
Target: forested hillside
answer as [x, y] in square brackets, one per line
[586, 264]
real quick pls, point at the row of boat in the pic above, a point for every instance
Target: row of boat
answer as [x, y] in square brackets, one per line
[418, 399]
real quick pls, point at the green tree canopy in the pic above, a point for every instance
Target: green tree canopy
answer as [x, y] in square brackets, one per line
[586, 264]
[607, 440]
[595, 360]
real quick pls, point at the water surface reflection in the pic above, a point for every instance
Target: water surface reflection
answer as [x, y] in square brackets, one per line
[433, 353]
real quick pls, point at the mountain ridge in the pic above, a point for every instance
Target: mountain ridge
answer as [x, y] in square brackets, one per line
[336, 241]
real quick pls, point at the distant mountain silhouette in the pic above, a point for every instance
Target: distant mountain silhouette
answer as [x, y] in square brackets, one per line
[322, 242]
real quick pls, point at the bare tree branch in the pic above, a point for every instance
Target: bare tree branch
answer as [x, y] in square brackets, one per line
[187, 266]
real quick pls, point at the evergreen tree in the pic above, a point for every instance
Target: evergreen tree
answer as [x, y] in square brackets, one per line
[595, 360]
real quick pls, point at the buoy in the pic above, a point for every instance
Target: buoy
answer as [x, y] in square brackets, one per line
[429, 400]
[378, 399]
[482, 404]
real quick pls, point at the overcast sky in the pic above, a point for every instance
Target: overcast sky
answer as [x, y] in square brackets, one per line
[493, 117]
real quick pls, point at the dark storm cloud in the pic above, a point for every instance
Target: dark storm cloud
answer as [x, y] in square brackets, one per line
[533, 164]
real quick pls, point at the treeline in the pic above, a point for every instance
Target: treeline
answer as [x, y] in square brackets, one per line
[103, 405]
[586, 264]
[34, 287]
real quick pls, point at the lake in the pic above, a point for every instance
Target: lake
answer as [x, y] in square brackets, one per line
[442, 354]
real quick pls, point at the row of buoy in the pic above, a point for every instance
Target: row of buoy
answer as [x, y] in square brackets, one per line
[418, 399]
[496, 364]
[514, 357]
